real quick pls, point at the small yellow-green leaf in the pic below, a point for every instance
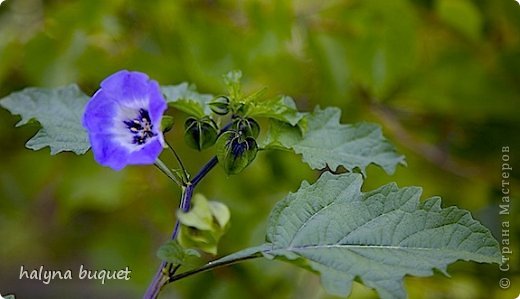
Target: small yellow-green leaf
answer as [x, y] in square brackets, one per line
[202, 240]
[220, 212]
[204, 225]
[199, 216]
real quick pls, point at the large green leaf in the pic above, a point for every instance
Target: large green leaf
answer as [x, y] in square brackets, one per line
[379, 237]
[376, 237]
[329, 143]
[58, 110]
[186, 98]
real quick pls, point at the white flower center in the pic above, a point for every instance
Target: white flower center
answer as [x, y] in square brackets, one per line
[132, 126]
[141, 127]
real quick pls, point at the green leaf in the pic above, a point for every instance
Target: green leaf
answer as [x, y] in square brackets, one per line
[282, 108]
[58, 110]
[379, 237]
[204, 225]
[327, 143]
[185, 98]
[9, 297]
[174, 253]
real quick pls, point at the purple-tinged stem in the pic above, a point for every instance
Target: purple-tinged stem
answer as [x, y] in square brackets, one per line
[165, 271]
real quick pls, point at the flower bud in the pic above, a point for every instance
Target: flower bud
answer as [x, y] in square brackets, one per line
[240, 108]
[200, 133]
[235, 151]
[246, 126]
[220, 105]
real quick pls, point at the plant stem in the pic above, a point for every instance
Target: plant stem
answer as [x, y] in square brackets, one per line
[225, 128]
[179, 161]
[162, 167]
[166, 270]
[204, 170]
[213, 265]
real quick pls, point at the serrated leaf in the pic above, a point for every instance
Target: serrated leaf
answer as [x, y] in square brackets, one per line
[327, 143]
[185, 98]
[282, 108]
[59, 112]
[335, 230]
[173, 252]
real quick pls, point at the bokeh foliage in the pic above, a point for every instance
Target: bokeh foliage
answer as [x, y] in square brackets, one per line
[441, 76]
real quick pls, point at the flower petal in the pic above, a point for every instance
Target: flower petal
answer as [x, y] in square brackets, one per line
[127, 88]
[107, 152]
[148, 154]
[99, 112]
[123, 120]
[157, 104]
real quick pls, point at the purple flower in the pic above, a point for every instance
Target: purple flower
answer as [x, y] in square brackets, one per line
[123, 120]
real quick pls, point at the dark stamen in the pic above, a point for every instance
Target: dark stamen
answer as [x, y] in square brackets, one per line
[140, 127]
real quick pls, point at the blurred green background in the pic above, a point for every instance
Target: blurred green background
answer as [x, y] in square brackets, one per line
[441, 76]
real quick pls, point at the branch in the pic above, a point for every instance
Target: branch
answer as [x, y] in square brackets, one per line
[213, 265]
[164, 169]
[166, 271]
[434, 154]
